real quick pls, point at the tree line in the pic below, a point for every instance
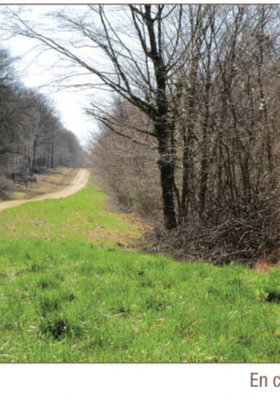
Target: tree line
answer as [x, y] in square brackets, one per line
[194, 123]
[222, 142]
[32, 137]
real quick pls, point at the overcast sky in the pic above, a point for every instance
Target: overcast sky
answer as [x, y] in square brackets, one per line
[41, 70]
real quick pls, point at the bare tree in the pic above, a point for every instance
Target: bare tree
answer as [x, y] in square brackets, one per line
[141, 64]
[224, 144]
[205, 77]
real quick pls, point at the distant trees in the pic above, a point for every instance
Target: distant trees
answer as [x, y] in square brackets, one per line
[31, 135]
[126, 168]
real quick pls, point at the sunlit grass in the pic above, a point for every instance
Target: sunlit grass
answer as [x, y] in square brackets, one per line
[82, 216]
[68, 292]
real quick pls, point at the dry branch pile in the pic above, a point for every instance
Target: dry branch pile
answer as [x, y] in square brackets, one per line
[248, 238]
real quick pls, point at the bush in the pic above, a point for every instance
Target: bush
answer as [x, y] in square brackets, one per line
[127, 170]
[248, 237]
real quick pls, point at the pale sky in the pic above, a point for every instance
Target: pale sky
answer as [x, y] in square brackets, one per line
[41, 70]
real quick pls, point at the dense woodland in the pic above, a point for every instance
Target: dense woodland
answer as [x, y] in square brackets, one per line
[191, 139]
[223, 137]
[32, 138]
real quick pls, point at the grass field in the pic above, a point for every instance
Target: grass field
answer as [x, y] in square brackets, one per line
[71, 290]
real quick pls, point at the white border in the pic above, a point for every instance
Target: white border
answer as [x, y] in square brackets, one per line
[136, 381]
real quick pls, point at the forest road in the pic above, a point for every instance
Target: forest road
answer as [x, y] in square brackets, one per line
[77, 184]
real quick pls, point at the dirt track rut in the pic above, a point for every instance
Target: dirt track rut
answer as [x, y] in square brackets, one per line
[77, 184]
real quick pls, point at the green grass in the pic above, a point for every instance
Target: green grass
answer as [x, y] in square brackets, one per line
[69, 292]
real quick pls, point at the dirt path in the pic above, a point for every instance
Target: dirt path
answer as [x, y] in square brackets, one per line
[77, 184]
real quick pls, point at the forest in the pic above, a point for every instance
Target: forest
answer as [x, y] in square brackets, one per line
[190, 136]
[32, 138]
[204, 148]
[159, 242]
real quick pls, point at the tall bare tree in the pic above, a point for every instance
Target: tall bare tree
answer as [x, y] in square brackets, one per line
[202, 75]
[141, 62]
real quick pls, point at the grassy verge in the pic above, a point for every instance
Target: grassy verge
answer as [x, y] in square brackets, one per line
[72, 290]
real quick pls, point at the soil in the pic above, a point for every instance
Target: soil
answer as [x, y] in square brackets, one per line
[77, 184]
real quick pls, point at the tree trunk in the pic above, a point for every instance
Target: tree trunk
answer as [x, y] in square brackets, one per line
[34, 151]
[52, 156]
[167, 184]
[204, 149]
